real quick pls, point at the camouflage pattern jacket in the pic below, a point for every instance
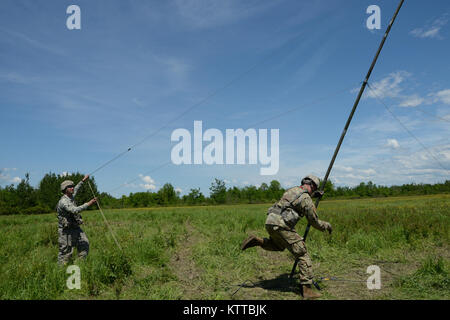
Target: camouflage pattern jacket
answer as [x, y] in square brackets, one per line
[68, 212]
[293, 205]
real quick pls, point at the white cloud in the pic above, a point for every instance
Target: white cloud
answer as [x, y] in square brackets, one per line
[6, 178]
[178, 190]
[427, 159]
[351, 177]
[393, 143]
[369, 172]
[149, 183]
[431, 31]
[343, 168]
[443, 96]
[15, 180]
[148, 186]
[423, 33]
[419, 167]
[388, 87]
[3, 177]
[146, 179]
[393, 86]
[412, 101]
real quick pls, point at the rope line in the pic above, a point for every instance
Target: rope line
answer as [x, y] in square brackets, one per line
[432, 115]
[339, 279]
[104, 218]
[209, 96]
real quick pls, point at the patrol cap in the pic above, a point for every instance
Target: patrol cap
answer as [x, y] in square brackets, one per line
[313, 178]
[65, 184]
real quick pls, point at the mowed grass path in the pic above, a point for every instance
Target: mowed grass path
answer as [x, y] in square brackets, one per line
[194, 253]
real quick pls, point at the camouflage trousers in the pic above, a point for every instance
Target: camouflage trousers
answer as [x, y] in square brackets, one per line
[68, 239]
[281, 239]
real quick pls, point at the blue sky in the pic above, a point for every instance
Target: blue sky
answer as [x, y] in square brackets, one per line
[71, 100]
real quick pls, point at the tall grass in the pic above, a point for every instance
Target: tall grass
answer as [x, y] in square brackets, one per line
[410, 231]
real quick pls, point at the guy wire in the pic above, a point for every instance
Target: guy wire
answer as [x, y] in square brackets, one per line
[304, 106]
[404, 127]
[213, 93]
[104, 218]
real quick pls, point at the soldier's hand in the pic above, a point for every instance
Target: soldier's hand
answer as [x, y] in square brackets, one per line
[318, 194]
[94, 200]
[85, 177]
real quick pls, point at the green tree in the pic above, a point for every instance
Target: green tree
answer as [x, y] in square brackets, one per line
[194, 197]
[218, 191]
[275, 190]
[49, 191]
[167, 195]
[329, 190]
[26, 194]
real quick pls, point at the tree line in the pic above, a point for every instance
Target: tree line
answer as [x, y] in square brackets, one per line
[25, 199]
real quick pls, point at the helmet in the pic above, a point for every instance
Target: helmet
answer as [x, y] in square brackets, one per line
[312, 178]
[65, 184]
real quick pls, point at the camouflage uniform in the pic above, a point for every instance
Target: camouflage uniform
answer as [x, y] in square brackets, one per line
[70, 234]
[280, 223]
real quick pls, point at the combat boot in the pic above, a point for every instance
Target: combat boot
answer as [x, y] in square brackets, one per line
[308, 292]
[252, 241]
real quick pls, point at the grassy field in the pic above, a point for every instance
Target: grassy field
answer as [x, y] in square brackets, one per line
[193, 253]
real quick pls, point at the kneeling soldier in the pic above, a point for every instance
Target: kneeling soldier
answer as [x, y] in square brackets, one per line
[280, 223]
[70, 234]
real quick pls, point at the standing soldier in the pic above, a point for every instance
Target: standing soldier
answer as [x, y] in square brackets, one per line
[70, 234]
[281, 220]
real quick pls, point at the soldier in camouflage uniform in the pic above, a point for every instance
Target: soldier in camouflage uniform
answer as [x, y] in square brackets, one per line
[70, 234]
[280, 223]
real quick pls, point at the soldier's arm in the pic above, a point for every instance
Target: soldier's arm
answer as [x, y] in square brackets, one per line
[73, 209]
[77, 187]
[310, 213]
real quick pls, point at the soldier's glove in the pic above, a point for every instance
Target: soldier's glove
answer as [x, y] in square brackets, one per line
[318, 194]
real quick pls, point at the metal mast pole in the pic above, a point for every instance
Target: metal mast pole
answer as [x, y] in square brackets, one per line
[355, 105]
